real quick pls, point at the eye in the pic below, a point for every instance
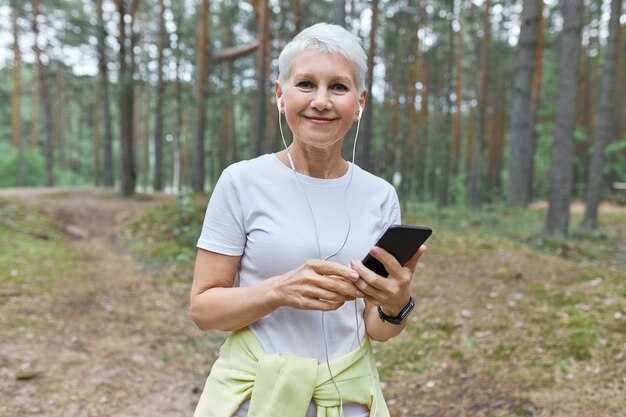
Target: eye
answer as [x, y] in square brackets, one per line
[306, 85]
[340, 88]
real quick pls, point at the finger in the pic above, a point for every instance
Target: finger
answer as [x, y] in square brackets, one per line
[322, 305]
[389, 261]
[412, 263]
[319, 293]
[338, 285]
[370, 281]
[332, 268]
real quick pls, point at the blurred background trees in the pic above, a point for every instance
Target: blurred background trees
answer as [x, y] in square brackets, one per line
[466, 99]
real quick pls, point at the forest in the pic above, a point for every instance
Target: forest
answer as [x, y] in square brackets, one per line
[499, 122]
[470, 102]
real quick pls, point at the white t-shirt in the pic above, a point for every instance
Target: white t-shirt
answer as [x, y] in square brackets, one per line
[259, 210]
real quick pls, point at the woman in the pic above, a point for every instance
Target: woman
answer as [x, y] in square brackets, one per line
[293, 226]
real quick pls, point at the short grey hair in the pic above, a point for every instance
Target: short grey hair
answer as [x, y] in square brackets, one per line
[326, 38]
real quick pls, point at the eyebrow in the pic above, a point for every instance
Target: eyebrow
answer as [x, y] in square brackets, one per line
[339, 78]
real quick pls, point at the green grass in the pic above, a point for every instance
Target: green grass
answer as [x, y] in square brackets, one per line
[167, 235]
[35, 258]
[35, 254]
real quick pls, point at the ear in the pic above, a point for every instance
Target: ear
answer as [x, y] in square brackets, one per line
[361, 105]
[279, 96]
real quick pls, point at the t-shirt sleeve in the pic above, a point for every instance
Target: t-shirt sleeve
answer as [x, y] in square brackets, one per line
[223, 230]
[393, 204]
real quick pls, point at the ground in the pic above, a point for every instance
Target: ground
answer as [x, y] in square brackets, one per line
[113, 338]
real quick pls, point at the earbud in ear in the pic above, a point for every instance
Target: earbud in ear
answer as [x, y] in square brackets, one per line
[359, 113]
[279, 104]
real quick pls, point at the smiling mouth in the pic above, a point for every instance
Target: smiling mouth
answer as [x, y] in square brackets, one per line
[321, 120]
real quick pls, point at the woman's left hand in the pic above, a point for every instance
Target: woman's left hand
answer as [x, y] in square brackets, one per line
[391, 293]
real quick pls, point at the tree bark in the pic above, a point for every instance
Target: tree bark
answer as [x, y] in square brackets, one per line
[557, 221]
[45, 97]
[458, 92]
[369, 107]
[534, 99]
[107, 140]
[521, 129]
[157, 180]
[203, 72]
[339, 12]
[262, 13]
[605, 120]
[16, 99]
[475, 188]
[126, 98]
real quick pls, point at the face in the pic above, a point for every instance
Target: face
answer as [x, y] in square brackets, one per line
[320, 98]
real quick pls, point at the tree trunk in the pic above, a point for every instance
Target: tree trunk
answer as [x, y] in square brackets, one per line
[16, 102]
[534, 100]
[369, 107]
[458, 92]
[447, 127]
[605, 120]
[262, 13]
[45, 97]
[126, 99]
[58, 133]
[197, 179]
[16, 113]
[157, 180]
[481, 84]
[521, 129]
[107, 142]
[95, 148]
[557, 221]
[339, 12]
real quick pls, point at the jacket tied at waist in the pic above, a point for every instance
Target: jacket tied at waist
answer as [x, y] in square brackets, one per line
[283, 385]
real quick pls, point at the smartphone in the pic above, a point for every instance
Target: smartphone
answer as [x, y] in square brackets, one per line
[400, 241]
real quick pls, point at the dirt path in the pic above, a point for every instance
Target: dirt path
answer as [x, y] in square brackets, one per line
[104, 344]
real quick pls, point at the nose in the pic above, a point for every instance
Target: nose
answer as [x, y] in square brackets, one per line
[321, 100]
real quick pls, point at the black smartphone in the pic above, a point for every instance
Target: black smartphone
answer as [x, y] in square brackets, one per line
[400, 241]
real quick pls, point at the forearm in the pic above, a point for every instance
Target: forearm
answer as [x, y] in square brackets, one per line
[233, 308]
[379, 330]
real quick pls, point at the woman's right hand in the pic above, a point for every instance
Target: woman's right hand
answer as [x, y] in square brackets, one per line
[317, 285]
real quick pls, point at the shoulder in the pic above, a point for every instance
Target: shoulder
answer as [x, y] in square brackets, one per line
[252, 170]
[374, 183]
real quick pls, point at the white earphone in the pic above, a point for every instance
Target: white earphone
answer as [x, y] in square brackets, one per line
[279, 101]
[359, 113]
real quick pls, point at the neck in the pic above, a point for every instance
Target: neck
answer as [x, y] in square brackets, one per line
[315, 162]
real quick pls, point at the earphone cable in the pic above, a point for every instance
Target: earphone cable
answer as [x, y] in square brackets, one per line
[356, 313]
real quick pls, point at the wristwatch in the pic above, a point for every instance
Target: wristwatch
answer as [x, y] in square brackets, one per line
[400, 317]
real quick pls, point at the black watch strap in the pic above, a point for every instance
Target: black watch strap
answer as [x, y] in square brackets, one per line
[400, 317]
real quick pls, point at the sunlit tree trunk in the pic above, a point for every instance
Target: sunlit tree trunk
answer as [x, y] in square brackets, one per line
[458, 92]
[557, 221]
[58, 133]
[198, 162]
[521, 128]
[534, 99]
[16, 103]
[369, 107]
[95, 132]
[45, 97]
[442, 200]
[408, 174]
[107, 142]
[16, 120]
[157, 180]
[262, 12]
[475, 188]
[604, 129]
